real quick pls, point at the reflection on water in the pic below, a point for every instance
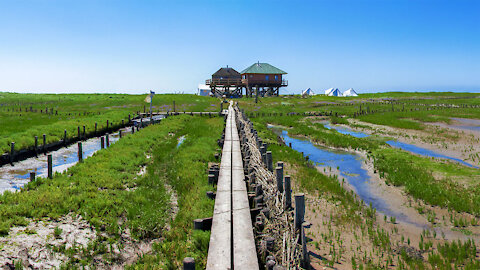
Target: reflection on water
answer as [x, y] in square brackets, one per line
[14, 177]
[350, 168]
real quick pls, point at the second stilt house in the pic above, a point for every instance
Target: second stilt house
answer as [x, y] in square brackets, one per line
[263, 79]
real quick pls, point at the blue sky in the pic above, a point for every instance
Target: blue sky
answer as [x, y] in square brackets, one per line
[172, 46]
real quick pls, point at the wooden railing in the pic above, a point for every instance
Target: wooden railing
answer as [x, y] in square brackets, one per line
[223, 81]
[252, 82]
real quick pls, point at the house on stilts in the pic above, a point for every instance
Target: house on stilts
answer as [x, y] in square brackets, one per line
[259, 79]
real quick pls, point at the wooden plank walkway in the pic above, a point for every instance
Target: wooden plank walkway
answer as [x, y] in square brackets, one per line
[232, 244]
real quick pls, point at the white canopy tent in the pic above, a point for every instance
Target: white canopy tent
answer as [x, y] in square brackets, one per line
[203, 90]
[350, 93]
[335, 93]
[328, 91]
[308, 92]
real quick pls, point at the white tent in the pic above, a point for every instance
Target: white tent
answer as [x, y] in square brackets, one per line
[328, 91]
[203, 90]
[335, 93]
[308, 92]
[350, 93]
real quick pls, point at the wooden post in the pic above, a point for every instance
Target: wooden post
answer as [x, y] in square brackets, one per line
[95, 128]
[102, 142]
[80, 152]
[305, 256]
[189, 263]
[299, 210]
[129, 118]
[288, 192]
[78, 132]
[32, 176]
[211, 179]
[107, 140]
[279, 174]
[12, 152]
[45, 144]
[64, 136]
[262, 152]
[49, 163]
[120, 133]
[36, 145]
[84, 134]
[269, 161]
[133, 129]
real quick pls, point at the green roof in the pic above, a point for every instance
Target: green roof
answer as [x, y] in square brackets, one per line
[263, 68]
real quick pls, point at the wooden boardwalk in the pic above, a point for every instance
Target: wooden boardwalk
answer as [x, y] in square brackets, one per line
[232, 244]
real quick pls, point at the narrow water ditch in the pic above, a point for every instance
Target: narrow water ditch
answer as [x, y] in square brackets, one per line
[14, 177]
[401, 145]
[468, 124]
[349, 167]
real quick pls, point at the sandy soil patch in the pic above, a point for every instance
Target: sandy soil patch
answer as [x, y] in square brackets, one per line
[33, 245]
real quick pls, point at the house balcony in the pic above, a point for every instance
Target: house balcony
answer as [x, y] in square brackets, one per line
[235, 82]
[265, 83]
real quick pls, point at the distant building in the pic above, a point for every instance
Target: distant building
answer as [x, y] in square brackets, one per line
[226, 81]
[263, 79]
[259, 79]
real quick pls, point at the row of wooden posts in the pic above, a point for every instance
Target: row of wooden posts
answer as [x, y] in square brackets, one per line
[104, 143]
[81, 134]
[284, 187]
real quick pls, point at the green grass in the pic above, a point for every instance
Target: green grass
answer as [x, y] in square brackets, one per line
[186, 171]
[98, 189]
[76, 110]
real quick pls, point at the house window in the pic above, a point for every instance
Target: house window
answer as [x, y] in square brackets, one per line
[244, 77]
[266, 77]
[276, 77]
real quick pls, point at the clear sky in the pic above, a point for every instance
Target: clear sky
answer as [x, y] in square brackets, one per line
[172, 46]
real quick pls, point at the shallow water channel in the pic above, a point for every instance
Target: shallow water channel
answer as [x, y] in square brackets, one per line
[469, 124]
[349, 167]
[14, 177]
[401, 145]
